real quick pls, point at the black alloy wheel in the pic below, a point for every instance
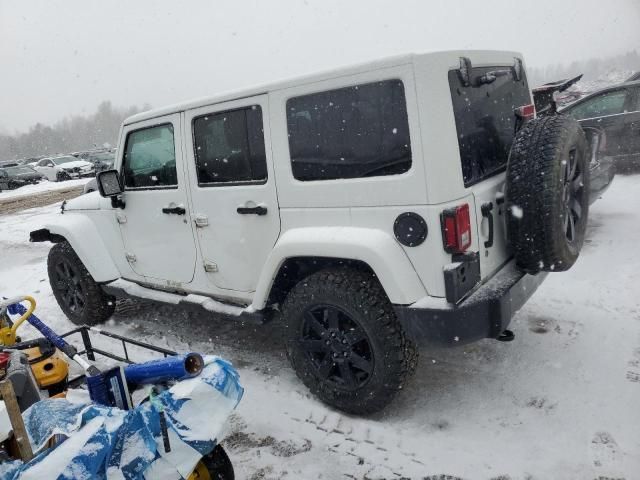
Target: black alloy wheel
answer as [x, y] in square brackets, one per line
[336, 346]
[572, 194]
[345, 342]
[68, 283]
[81, 299]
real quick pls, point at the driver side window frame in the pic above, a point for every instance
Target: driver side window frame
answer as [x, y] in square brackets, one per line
[123, 162]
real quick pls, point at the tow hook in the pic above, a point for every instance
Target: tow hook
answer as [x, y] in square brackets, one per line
[506, 336]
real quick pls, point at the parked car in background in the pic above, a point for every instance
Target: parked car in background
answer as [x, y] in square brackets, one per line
[15, 176]
[9, 163]
[101, 159]
[64, 167]
[616, 111]
[32, 160]
[548, 101]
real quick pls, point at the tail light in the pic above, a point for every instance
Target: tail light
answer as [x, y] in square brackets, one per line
[526, 112]
[456, 229]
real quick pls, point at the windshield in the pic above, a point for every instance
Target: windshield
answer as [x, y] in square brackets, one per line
[61, 160]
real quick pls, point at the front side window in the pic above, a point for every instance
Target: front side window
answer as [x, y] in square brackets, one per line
[352, 132]
[229, 147]
[150, 158]
[610, 103]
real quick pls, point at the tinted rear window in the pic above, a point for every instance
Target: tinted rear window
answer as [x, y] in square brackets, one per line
[352, 132]
[230, 147]
[485, 121]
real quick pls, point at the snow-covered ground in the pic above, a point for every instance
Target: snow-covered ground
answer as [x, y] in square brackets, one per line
[562, 401]
[42, 187]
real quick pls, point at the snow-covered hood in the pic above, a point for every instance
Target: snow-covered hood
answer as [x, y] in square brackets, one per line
[88, 201]
[76, 164]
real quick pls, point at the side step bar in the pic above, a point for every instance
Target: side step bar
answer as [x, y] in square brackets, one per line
[126, 288]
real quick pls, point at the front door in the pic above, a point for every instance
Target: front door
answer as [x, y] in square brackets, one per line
[632, 123]
[235, 206]
[155, 226]
[46, 167]
[611, 112]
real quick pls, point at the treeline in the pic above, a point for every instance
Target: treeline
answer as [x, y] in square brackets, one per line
[69, 135]
[593, 69]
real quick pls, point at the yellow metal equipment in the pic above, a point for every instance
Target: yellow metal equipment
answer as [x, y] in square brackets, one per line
[50, 370]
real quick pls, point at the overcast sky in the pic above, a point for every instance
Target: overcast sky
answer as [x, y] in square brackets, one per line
[64, 57]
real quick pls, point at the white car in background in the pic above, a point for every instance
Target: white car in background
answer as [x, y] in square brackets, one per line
[64, 167]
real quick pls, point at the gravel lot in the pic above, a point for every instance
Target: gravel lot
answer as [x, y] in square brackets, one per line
[16, 204]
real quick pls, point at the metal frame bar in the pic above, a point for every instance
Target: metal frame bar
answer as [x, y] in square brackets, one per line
[90, 350]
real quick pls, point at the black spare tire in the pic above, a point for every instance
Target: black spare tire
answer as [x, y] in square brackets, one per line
[547, 194]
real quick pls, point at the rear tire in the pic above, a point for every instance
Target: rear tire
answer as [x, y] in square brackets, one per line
[79, 296]
[547, 194]
[345, 341]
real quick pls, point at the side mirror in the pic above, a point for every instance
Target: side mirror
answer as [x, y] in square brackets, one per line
[109, 183]
[109, 187]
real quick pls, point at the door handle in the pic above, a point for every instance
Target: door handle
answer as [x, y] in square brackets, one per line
[257, 210]
[174, 210]
[486, 209]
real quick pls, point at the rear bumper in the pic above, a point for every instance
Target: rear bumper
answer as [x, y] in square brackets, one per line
[486, 313]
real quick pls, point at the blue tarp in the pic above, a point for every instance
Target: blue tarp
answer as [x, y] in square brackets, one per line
[109, 443]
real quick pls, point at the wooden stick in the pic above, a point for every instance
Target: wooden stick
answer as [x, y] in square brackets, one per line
[15, 417]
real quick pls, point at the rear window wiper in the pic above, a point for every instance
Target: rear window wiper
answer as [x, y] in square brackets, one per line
[491, 77]
[465, 72]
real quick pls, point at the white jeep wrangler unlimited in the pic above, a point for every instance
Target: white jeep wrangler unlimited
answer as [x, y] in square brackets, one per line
[406, 201]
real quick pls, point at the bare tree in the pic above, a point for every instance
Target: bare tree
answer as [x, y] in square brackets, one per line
[68, 135]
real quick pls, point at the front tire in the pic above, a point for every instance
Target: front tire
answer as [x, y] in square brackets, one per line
[345, 341]
[62, 176]
[79, 296]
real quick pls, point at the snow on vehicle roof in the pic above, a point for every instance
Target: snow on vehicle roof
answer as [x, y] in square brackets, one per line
[311, 78]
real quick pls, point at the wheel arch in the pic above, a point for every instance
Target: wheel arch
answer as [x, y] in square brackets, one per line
[84, 238]
[301, 252]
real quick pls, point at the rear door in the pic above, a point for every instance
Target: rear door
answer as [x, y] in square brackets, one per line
[235, 205]
[485, 123]
[158, 237]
